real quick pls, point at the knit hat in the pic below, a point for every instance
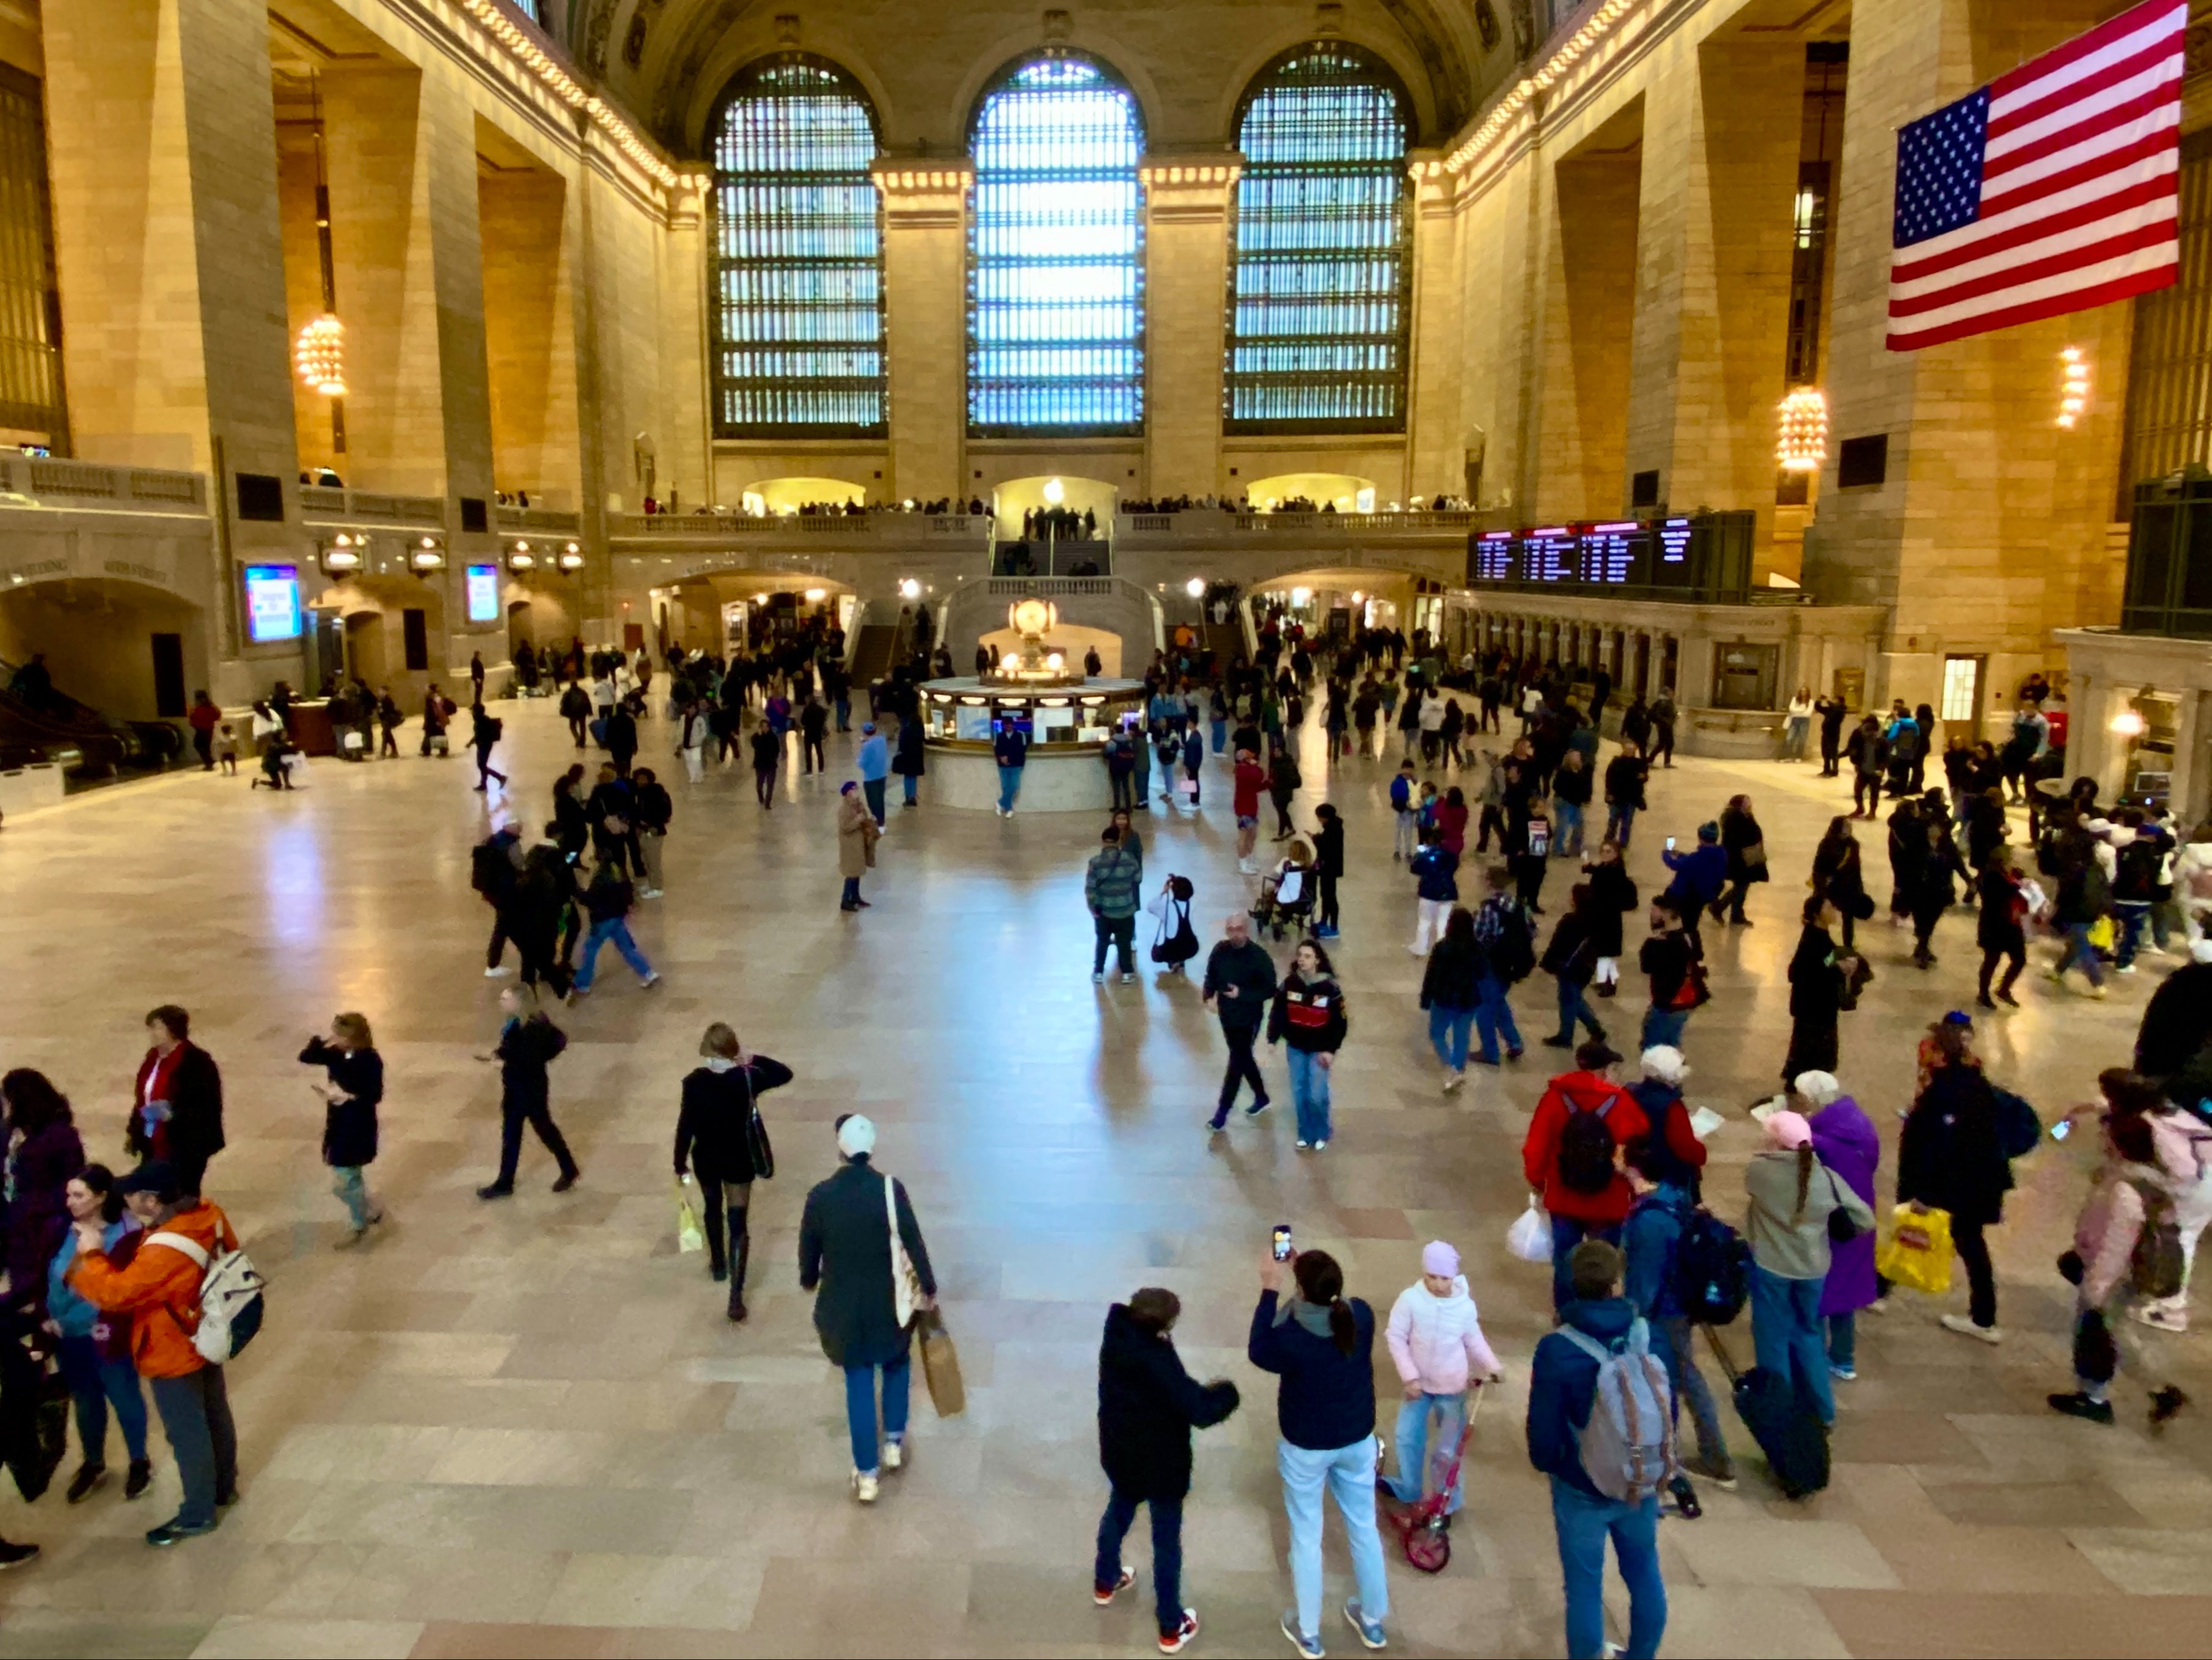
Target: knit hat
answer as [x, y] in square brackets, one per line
[1818, 1087]
[1440, 1259]
[856, 1136]
[1788, 1130]
[1709, 831]
[1664, 1062]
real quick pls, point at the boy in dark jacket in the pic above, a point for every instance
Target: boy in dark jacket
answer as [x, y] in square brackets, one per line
[528, 1044]
[1562, 1392]
[608, 902]
[1148, 1405]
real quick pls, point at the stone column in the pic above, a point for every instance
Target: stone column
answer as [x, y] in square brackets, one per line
[689, 453]
[1188, 200]
[1436, 447]
[926, 302]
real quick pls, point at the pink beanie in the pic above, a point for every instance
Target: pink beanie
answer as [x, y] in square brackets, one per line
[1438, 1257]
[1788, 1130]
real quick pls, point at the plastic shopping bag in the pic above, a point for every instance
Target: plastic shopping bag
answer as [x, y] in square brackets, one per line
[1918, 1252]
[1530, 1238]
[2100, 934]
[690, 1236]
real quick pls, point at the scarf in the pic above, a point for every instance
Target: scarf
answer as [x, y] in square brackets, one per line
[1314, 1316]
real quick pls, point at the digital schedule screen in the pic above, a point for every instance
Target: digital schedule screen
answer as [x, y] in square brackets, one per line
[484, 593]
[272, 603]
[1675, 541]
[1610, 551]
[1494, 553]
[1551, 555]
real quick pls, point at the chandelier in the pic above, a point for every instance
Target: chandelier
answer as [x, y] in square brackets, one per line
[320, 355]
[1804, 430]
[2072, 385]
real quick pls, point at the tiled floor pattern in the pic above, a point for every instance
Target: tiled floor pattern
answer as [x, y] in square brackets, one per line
[526, 1429]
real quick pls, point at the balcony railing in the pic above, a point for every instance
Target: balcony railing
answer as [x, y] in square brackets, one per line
[327, 504]
[885, 531]
[56, 484]
[1218, 528]
[551, 520]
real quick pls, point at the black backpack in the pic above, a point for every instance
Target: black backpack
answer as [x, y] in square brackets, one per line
[1586, 1148]
[1713, 1270]
[1513, 955]
[491, 872]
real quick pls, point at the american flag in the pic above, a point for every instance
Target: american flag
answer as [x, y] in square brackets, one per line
[2055, 188]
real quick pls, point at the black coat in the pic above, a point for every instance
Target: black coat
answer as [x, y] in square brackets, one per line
[526, 1049]
[1452, 977]
[712, 1128]
[1612, 895]
[908, 762]
[1816, 984]
[1148, 1405]
[195, 1111]
[845, 1249]
[1949, 1155]
[349, 1126]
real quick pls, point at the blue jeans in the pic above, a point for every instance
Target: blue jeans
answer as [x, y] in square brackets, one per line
[95, 1385]
[1418, 1472]
[1310, 1094]
[1844, 1340]
[1619, 821]
[913, 789]
[352, 1190]
[1493, 1015]
[618, 931]
[1566, 828]
[851, 899]
[1010, 785]
[1348, 1473]
[1793, 737]
[2078, 945]
[1584, 1523]
[1664, 1026]
[1574, 1008]
[2128, 916]
[1220, 736]
[1566, 1234]
[860, 1409]
[1786, 1336]
[1167, 1552]
[1449, 1030]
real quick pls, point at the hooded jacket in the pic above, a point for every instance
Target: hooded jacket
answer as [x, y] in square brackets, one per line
[1437, 1342]
[1787, 1240]
[1148, 1405]
[1563, 1387]
[160, 1290]
[1569, 1093]
[1844, 1140]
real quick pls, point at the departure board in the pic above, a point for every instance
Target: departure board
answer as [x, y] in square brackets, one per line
[1707, 555]
[1494, 553]
[1550, 555]
[1609, 551]
[1675, 541]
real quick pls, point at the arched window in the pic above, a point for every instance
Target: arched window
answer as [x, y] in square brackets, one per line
[1317, 329]
[1056, 306]
[798, 277]
[528, 9]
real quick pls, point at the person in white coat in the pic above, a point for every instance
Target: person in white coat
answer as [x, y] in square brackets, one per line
[1437, 1344]
[2192, 881]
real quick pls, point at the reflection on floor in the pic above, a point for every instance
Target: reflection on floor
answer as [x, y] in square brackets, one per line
[526, 1428]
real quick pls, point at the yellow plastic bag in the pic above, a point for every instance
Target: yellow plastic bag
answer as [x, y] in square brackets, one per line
[2100, 934]
[1918, 1252]
[689, 1237]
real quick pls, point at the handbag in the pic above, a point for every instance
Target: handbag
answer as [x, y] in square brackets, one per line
[940, 1366]
[1754, 855]
[1842, 1228]
[757, 1141]
[906, 1284]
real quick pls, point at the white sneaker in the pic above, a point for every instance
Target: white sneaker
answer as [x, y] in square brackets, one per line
[1128, 979]
[864, 1487]
[1966, 1328]
[1098, 979]
[894, 1455]
[1321, 1147]
[494, 974]
[1453, 1080]
[2161, 1315]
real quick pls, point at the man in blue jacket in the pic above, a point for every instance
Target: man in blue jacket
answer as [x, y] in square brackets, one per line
[875, 762]
[1562, 1392]
[1652, 1239]
[1699, 876]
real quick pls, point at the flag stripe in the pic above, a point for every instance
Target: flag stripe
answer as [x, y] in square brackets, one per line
[2095, 204]
[2141, 259]
[2061, 63]
[2162, 123]
[2121, 115]
[2027, 110]
[2157, 274]
[2058, 255]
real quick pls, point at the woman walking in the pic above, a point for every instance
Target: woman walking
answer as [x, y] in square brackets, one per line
[1571, 959]
[1836, 872]
[2001, 927]
[483, 735]
[1819, 979]
[528, 1044]
[1745, 844]
[1612, 895]
[1950, 1157]
[1452, 992]
[1308, 1016]
[1283, 783]
[1321, 1347]
[856, 843]
[867, 1297]
[1932, 890]
[1845, 1141]
[350, 1098]
[95, 1348]
[1792, 1197]
[715, 1143]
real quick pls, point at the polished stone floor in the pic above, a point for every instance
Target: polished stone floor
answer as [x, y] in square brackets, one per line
[526, 1429]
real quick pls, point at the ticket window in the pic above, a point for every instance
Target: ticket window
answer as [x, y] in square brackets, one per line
[1743, 676]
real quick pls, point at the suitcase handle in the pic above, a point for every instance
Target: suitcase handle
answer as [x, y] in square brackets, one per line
[1720, 1353]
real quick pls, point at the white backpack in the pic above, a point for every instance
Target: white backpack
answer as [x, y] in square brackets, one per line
[230, 1303]
[1628, 1445]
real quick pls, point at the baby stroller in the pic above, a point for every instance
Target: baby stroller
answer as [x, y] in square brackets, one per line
[1287, 895]
[1178, 940]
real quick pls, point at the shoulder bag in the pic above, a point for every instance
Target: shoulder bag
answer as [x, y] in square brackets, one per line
[757, 1141]
[906, 1284]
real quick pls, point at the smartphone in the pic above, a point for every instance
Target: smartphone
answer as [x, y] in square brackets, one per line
[2062, 1130]
[1670, 844]
[1282, 1241]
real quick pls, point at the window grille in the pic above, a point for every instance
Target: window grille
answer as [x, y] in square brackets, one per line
[798, 281]
[1320, 282]
[1055, 304]
[30, 310]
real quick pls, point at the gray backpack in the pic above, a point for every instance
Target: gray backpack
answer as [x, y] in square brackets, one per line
[1628, 1445]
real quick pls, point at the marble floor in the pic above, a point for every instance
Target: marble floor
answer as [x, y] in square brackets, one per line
[526, 1429]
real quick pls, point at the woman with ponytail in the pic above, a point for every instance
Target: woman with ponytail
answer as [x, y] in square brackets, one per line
[1321, 1345]
[1793, 1220]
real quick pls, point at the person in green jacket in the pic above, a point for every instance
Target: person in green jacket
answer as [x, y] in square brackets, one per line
[1111, 889]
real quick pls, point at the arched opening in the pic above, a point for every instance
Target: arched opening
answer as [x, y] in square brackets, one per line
[725, 611]
[1071, 640]
[389, 632]
[1312, 492]
[132, 652]
[1337, 601]
[776, 497]
[1017, 498]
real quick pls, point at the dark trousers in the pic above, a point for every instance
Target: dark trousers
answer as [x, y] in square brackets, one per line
[512, 1116]
[390, 742]
[2015, 957]
[1663, 743]
[1123, 789]
[1493, 819]
[1120, 932]
[1812, 1048]
[851, 900]
[203, 741]
[497, 948]
[485, 772]
[1325, 912]
[764, 786]
[1242, 1068]
[810, 756]
[1167, 1552]
[1981, 1279]
[195, 1412]
[576, 729]
[873, 790]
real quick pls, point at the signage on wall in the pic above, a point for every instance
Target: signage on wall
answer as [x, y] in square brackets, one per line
[484, 593]
[272, 603]
[1705, 555]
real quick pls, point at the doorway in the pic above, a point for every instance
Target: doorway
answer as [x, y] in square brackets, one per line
[168, 675]
[1962, 692]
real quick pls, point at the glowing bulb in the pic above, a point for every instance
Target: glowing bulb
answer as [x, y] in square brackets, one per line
[2128, 723]
[1055, 492]
[1195, 588]
[909, 589]
[1804, 436]
[319, 355]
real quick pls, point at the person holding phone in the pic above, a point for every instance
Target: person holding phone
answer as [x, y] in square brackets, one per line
[350, 1098]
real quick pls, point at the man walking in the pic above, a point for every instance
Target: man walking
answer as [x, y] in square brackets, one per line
[1011, 751]
[1109, 888]
[1240, 979]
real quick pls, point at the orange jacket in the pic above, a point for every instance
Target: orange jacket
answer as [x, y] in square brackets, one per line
[160, 1288]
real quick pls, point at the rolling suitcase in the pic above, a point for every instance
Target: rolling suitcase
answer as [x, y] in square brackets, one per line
[1785, 1426]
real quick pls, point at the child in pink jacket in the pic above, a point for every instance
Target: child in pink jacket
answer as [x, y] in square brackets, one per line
[1437, 1343]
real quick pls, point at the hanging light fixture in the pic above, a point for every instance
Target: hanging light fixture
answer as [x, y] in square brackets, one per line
[2072, 385]
[320, 352]
[1804, 441]
[320, 355]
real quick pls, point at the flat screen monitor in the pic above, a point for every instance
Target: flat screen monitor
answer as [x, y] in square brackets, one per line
[484, 593]
[272, 603]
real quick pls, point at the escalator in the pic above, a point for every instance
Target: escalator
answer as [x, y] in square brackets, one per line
[47, 725]
[871, 654]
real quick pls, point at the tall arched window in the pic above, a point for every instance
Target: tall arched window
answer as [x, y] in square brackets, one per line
[1055, 303]
[798, 277]
[1317, 326]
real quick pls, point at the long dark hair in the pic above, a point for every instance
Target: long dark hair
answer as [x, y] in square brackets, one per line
[1321, 1282]
[33, 1101]
[101, 1181]
[1459, 926]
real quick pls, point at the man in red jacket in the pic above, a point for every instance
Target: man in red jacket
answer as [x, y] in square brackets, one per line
[1571, 1156]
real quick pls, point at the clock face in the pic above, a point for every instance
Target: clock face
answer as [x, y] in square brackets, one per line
[1031, 616]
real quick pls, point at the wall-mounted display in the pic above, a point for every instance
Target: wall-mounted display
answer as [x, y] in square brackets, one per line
[272, 603]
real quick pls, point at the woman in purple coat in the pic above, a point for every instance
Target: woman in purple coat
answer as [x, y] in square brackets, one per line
[43, 1154]
[1844, 1140]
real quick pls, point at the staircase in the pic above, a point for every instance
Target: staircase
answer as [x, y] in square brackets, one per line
[59, 728]
[1226, 640]
[872, 656]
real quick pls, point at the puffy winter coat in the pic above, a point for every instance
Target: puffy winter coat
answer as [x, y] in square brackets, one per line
[1437, 1342]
